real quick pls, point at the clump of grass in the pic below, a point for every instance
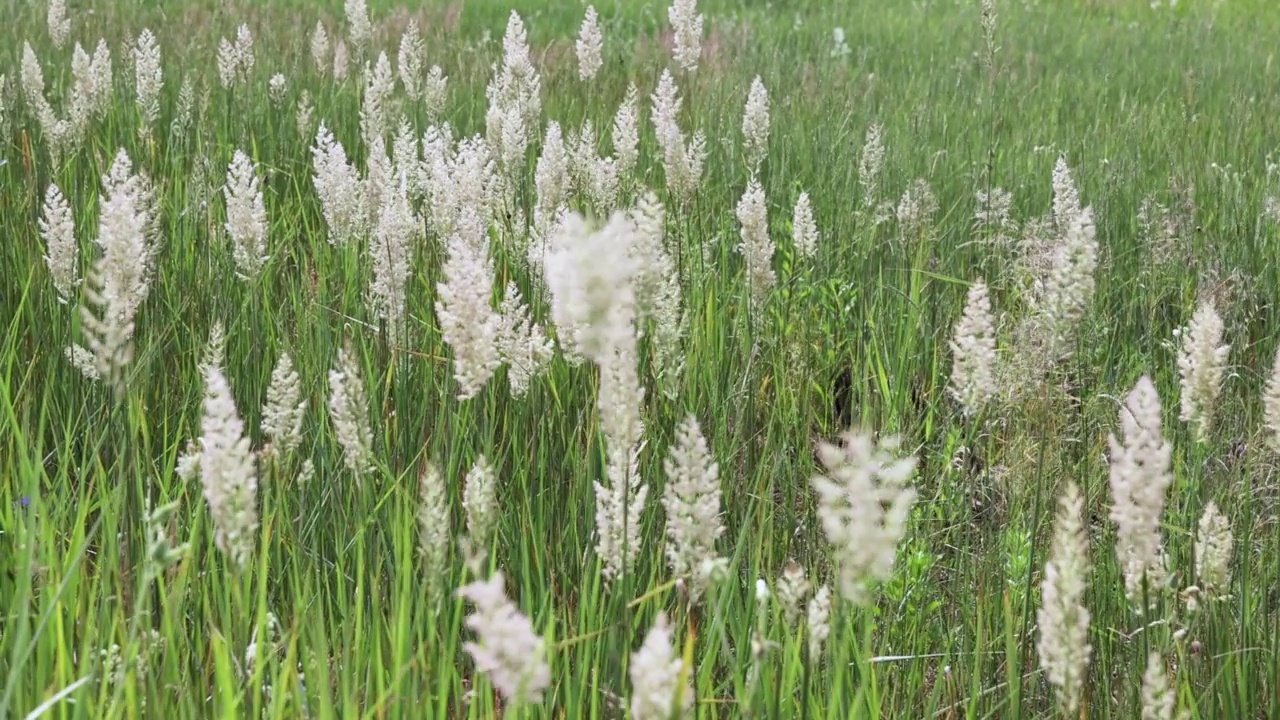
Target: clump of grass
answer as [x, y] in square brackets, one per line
[399, 419]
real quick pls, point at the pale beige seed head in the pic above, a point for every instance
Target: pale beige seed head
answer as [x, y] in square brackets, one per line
[792, 589]
[686, 26]
[1271, 405]
[1158, 696]
[804, 229]
[590, 45]
[505, 647]
[656, 669]
[1213, 552]
[1201, 366]
[973, 352]
[755, 126]
[692, 502]
[1063, 618]
[1140, 475]
[864, 502]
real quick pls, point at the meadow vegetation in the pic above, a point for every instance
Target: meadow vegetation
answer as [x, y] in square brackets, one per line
[732, 358]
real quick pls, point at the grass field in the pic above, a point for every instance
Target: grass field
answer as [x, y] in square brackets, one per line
[185, 533]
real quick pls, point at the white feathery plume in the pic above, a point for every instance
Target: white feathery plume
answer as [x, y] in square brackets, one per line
[284, 410]
[551, 176]
[792, 589]
[1271, 404]
[321, 49]
[215, 348]
[864, 502]
[246, 215]
[119, 281]
[214, 351]
[379, 181]
[375, 110]
[1213, 552]
[544, 229]
[756, 245]
[349, 412]
[341, 60]
[277, 88]
[306, 473]
[658, 292]
[620, 503]
[56, 131]
[435, 93]
[258, 650]
[590, 45]
[409, 61]
[1140, 475]
[993, 213]
[467, 320]
[654, 266]
[480, 501]
[760, 643]
[338, 184]
[692, 502]
[58, 22]
[476, 189]
[121, 178]
[182, 114]
[819, 622]
[1066, 199]
[435, 530]
[686, 25]
[594, 177]
[582, 159]
[31, 78]
[916, 209]
[1201, 365]
[1063, 618]
[755, 126]
[681, 161]
[604, 187]
[619, 404]
[1066, 292]
[62, 252]
[1158, 698]
[462, 186]
[228, 63]
[305, 114]
[589, 277]
[82, 103]
[522, 344]
[83, 361]
[439, 150]
[390, 253]
[588, 274]
[973, 353]
[82, 100]
[101, 84]
[148, 78]
[359, 28]
[804, 229]
[626, 134]
[236, 59]
[870, 167]
[227, 471]
[406, 161]
[515, 102]
[656, 671]
[506, 648]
